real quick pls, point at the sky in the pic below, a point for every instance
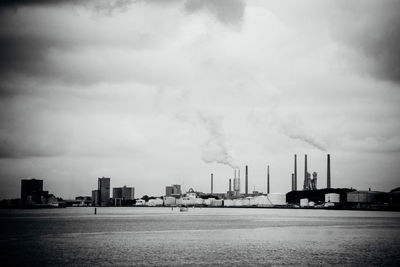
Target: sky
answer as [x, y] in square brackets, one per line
[153, 93]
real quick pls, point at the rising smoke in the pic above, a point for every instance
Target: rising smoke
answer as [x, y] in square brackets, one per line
[309, 139]
[215, 149]
[293, 127]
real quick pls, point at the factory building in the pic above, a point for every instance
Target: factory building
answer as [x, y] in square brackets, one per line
[316, 196]
[173, 191]
[364, 199]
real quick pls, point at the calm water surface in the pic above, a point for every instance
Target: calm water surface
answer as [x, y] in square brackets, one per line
[200, 237]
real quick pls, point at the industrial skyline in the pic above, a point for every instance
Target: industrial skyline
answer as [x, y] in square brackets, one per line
[235, 185]
[310, 196]
[102, 194]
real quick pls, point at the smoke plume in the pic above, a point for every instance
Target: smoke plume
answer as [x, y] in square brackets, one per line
[215, 149]
[293, 127]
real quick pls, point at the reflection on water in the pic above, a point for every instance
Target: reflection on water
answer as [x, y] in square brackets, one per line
[202, 236]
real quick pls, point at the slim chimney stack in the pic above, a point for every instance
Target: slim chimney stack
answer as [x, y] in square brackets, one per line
[268, 180]
[295, 173]
[328, 175]
[247, 180]
[212, 182]
[230, 187]
[305, 172]
[293, 188]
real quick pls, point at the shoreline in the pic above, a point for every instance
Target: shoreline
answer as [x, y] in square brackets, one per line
[393, 209]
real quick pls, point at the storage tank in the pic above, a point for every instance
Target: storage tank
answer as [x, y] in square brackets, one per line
[277, 198]
[228, 203]
[263, 201]
[329, 204]
[246, 202]
[208, 201]
[155, 202]
[304, 202]
[311, 204]
[199, 201]
[252, 201]
[238, 202]
[332, 197]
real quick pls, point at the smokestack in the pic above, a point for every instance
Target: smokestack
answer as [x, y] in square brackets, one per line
[328, 175]
[305, 172]
[268, 179]
[212, 183]
[230, 186]
[295, 173]
[247, 180]
[293, 188]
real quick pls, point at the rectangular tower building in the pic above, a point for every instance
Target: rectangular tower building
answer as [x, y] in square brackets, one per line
[31, 191]
[104, 191]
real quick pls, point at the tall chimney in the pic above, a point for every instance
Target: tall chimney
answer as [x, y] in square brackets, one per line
[305, 172]
[247, 180]
[328, 175]
[212, 183]
[230, 186]
[293, 182]
[295, 173]
[268, 180]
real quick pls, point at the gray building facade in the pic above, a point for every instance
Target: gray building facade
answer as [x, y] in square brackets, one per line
[104, 191]
[173, 190]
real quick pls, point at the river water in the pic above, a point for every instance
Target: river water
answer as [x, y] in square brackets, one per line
[199, 237]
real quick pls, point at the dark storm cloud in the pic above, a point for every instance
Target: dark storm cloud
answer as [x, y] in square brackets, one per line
[15, 149]
[372, 28]
[24, 54]
[226, 11]
[20, 3]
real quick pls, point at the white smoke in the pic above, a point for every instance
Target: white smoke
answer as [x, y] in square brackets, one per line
[293, 127]
[215, 149]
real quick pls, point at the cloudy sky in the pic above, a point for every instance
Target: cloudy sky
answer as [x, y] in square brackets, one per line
[152, 93]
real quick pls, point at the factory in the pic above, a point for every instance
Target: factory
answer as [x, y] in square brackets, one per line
[310, 196]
